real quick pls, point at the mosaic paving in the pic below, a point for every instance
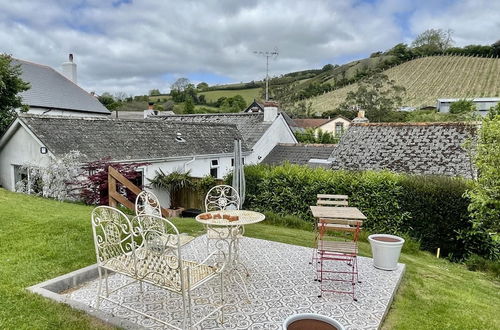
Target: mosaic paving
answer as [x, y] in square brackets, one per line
[281, 284]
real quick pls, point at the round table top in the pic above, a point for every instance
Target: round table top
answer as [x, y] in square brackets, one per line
[245, 218]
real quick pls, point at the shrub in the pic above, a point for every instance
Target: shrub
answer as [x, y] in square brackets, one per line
[411, 245]
[478, 263]
[94, 188]
[431, 210]
[172, 182]
[438, 209]
[56, 180]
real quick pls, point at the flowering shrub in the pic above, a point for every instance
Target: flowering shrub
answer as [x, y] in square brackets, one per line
[57, 180]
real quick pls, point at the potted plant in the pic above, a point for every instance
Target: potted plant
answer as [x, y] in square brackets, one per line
[385, 250]
[173, 182]
[307, 321]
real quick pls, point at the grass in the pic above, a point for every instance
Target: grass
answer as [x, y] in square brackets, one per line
[42, 239]
[248, 94]
[429, 78]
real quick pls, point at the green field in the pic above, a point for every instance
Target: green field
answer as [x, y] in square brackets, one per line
[248, 94]
[429, 78]
[43, 238]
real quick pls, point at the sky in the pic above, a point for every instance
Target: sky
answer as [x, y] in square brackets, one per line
[133, 46]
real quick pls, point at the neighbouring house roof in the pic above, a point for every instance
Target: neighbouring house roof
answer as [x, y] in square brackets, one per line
[126, 114]
[131, 139]
[255, 107]
[415, 148]
[316, 122]
[51, 90]
[250, 125]
[311, 122]
[290, 122]
[474, 99]
[259, 107]
[298, 153]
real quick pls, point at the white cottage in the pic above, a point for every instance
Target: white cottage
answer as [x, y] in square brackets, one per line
[54, 93]
[201, 146]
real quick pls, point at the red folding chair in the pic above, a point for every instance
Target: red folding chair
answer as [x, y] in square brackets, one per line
[326, 200]
[337, 252]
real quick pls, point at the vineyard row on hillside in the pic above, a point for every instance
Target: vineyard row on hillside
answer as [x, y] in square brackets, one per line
[429, 78]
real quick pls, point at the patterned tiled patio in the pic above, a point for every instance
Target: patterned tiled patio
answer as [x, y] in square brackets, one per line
[281, 284]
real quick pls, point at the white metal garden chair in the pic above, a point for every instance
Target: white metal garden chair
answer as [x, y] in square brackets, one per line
[147, 203]
[220, 198]
[138, 250]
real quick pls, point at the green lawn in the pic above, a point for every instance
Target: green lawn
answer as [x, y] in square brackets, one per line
[41, 239]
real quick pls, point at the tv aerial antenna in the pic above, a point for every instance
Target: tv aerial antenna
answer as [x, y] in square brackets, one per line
[267, 54]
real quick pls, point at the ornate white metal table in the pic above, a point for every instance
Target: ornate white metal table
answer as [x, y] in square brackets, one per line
[228, 234]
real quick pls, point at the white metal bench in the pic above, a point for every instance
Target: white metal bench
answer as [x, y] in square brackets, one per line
[147, 249]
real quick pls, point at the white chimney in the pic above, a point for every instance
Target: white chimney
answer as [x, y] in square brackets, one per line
[360, 118]
[150, 111]
[69, 69]
[270, 111]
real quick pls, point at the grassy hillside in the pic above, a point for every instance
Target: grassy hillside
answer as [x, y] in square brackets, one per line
[248, 94]
[429, 78]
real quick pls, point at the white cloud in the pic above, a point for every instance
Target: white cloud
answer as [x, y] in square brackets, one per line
[472, 21]
[132, 48]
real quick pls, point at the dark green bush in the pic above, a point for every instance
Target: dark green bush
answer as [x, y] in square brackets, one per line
[478, 263]
[430, 210]
[438, 210]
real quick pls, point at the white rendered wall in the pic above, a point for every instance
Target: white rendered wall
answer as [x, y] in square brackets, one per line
[330, 126]
[200, 167]
[279, 132]
[22, 148]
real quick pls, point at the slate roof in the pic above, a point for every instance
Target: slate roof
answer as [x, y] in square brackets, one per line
[255, 107]
[131, 139]
[298, 153]
[291, 122]
[250, 125]
[51, 90]
[416, 148]
[311, 122]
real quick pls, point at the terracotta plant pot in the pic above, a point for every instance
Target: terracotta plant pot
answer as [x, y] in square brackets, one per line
[385, 250]
[309, 321]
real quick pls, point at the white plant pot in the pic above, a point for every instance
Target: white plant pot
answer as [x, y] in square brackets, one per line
[311, 316]
[385, 250]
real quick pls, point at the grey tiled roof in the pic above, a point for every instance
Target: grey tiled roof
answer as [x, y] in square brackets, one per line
[131, 139]
[251, 125]
[50, 89]
[416, 148]
[298, 153]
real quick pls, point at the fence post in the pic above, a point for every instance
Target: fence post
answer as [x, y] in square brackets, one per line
[111, 187]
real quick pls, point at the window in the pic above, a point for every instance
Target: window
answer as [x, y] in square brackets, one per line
[32, 185]
[214, 166]
[242, 161]
[20, 174]
[139, 179]
[339, 129]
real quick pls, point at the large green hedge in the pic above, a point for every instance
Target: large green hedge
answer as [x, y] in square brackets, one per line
[429, 208]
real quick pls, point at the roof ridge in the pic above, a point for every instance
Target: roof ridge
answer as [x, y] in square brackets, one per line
[37, 116]
[307, 144]
[397, 124]
[29, 62]
[216, 114]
